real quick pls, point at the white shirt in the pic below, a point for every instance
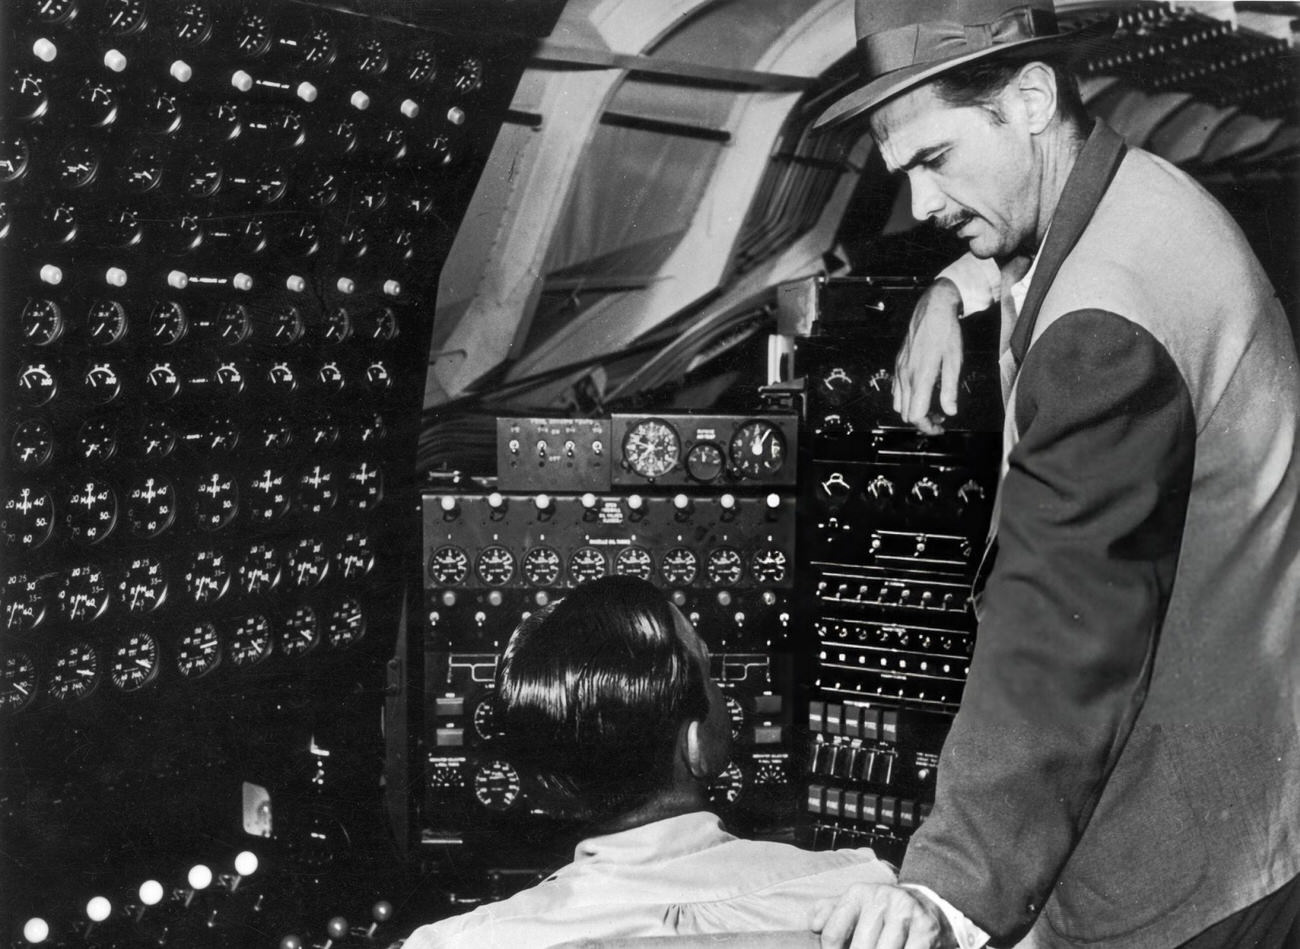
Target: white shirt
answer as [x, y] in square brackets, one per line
[680, 876]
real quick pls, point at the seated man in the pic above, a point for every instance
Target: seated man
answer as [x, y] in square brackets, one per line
[606, 697]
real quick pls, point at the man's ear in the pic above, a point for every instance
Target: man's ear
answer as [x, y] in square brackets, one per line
[697, 752]
[1036, 84]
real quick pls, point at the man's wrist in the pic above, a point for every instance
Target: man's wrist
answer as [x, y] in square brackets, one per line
[961, 932]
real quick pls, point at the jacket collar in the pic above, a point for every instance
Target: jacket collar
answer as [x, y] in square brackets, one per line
[1091, 175]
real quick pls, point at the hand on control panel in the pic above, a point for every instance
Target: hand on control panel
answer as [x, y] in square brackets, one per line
[931, 351]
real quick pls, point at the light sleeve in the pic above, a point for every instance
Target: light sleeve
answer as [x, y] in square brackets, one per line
[978, 281]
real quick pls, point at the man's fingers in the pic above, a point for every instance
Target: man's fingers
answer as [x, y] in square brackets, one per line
[821, 912]
[949, 374]
[893, 935]
[846, 923]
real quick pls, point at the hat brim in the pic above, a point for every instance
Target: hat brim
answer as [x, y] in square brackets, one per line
[883, 88]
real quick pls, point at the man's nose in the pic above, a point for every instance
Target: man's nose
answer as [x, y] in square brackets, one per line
[927, 200]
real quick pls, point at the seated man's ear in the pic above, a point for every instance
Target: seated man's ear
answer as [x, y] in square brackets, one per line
[705, 756]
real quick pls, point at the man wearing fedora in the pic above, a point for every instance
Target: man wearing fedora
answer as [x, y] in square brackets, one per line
[1124, 772]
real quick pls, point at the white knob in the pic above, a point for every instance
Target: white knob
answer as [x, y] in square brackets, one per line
[635, 501]
[543, 501]
[114, 60]
[456, 115]
[180, 71]
[410, 108]
[151, 892]
[495, 500]
[681, 502]
[360, 100]
[241, 80]
[495, 598]
[392, 288]
[242, 281]
[44, 50]
[36, 930]
[98, 909]
[589, 500]
[51, 274]
[728, 501]
[178, 279]
[773, 500]
[296, 283]
[447, 503]
[200, 877]
[306, 92]
[115, 277]
[246, 863]
[346, 284]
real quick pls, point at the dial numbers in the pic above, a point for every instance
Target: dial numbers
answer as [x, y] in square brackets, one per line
[260, 570]
[679, 566]
[143, 586]
[167, 323]
[768, 565]
[308, 562]
[41, 322]
[724, 566]
[757, 449]
[97, 440]
[216, 501]
[32, 443]
[198, 651]
[347, 624]
[268, 496]
[300, 633]
[24, 602]
[363, 486]
[317, 492]
[494, 565]
[208, 577]
[91, 511]
[76, 672]
[355, 558]
[150, 506]
[496, 785]
[28, 517]
[651, 448]
[250, 642]
[542, 566]
[449, 566]
[587, 563]
[634, 561]
[134, 662]
[17, 682]
[84, 595]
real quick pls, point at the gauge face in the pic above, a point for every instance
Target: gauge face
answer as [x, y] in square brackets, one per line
[496, 785]
[143, 169]
[84, 595]
[41, 322]
[157, 439]
[267, 496]
[322, 187]
[337, 326]
[97, 103]
[134, 662]
[634, 561]
[202, 177]
[757, 449]
[723, 565]
[347, 624]
[32, 443]
[106, 322]
[24, 602]
[122, 17]
[216, 499]
[308, 562]
[735, 714]
[587, 563]
[59, 223]
[76, 672]
[679, 566]
[17, 682]
[355, 558]
[377, 375]
[371, 430]
[363, 486]
[259, 571]
[101, 383]
[384, 325]
[162, 116]
[494, 565]
[769, 565]
[167, 323]
[317, 491]
[36, 384]
[704, 462]
[123, 227]
[161, 382]
[208, 576]
[275, 433]
[300, 632]
[183, 234]
[422, 65]
[28, 517]
[229, 379]
[727, 787]
[323, 433]
[286, 324]
[198, 651]
[232, 324]
[449, 566]
[370, 58]
[469, 75]
[542, 566]
[330, 377]
[91, 511]
[221, 434]
[318, 47]
[485, 716]
[252, 35]
[250, 641]
[97, 439]
[192, 23]
[54, 11]
[143, 586]
[651, 448]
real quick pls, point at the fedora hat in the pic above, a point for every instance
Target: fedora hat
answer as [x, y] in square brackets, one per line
[904, 43]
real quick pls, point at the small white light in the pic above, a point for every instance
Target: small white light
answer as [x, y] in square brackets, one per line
[543, 501]
[409, 108]
[241, 80]
[44, 50]
[392, 288]
[306, 92]
[360, 100]
[296, 283]
[180, 71]
[242, 281]
[774, 501]
[447, 502]
[456, 115]
[36, 930]
[115, 60]
[200, 877]
[151, 892]
[246, 863]
[115, 277]
[51, 274]
[98, 909]
[346, 285]
[178, 279]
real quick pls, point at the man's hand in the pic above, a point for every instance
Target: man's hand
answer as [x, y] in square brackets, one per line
[881, 916]
[932, 350]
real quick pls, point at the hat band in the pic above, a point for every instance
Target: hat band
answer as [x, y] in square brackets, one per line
[939, 40]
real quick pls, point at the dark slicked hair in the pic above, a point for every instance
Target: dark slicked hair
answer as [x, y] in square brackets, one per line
[591, 694]
[978, 84]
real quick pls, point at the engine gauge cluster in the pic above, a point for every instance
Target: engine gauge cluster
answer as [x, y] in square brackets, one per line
[675, 450]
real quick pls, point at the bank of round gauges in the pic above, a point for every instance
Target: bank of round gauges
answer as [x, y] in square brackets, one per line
[78, 668]
[542, 565]
[654, 447]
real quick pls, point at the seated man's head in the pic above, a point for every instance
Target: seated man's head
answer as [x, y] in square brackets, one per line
[606, 697]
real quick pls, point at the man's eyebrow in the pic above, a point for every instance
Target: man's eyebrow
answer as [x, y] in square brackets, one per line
[921, 156]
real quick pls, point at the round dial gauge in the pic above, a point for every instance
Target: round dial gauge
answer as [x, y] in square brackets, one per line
[281, 379]
[286, 324]
[347, 624]
[123, 228]
[485, 716]
[384, 325]
[542, 566]
[300, 632]
[252, 35]
[422, 65]
[75, 673]
[216, 500]
[370, 58]
[24, 602]
[58, 223]
[723, 565]
[448, 566]
[134, 662]
[84, 595]
[97, 439]
[183, 234]
[735, 713]
[355, 558]
[704, 462]
[161, 382]
[36, 384]
[323, 433]
[15, 154]
[634, 561]
[317, 491]
[192, 23]
[91, 511]
[28, 517]
[757, 449]
[250, 641]
[260, 570]
[198, 650]
[202, 177]
[97, 104]
[727, 787]
[54, 11]
[308, 562]
[275, 434]
[221, 434]
[469, 74]
[318, 47]
[267, 496]
[101, 383]
[679, 566]
[17, 682]
[337, 326]
[587, 563]
[32, 444]
[496, 785]
[769, 565]
[378, 375]
[157, 439]
[77, 165]
[208, 576]
[122, 17]
[167, 322]
[41, 322]
[143, 586]
[143, 169]
[651, 448]
[321, 190]
[162, 116]
[494, 565]
[106, 322]
[363, 486]
[150, 506]
[232, 324]
[27, 95]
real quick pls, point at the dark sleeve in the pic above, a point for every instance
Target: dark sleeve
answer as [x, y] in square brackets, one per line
[1091, 521]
